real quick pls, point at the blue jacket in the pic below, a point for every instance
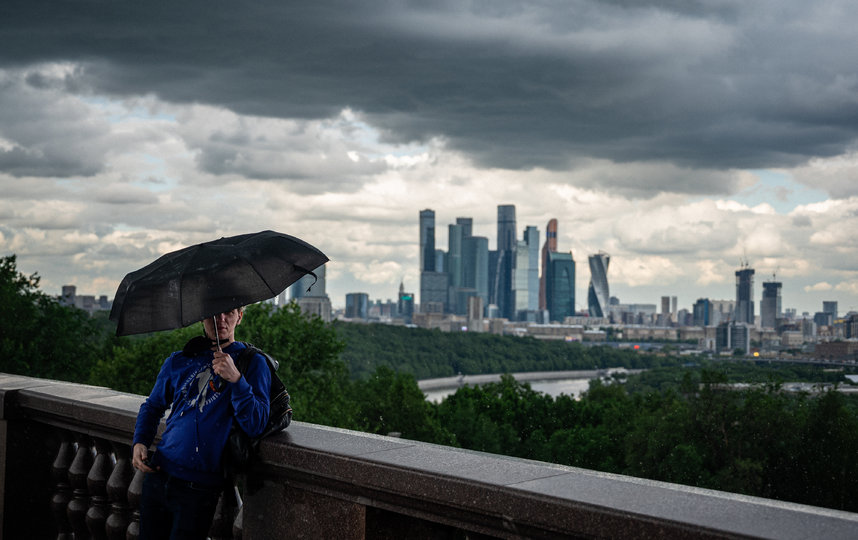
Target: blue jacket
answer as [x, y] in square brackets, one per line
[202, 406]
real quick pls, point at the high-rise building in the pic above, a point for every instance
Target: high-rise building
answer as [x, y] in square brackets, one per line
[598, 293]
[475, 258]
[730, 336]
[559, 278]
[703, 313]
[550, 246]
[455, 235]
[405, 306]
[525, 275]
[531, 238]
[467, 225]
[744, 295]
[770, 306]
[502, 263]
[357, 305]
[427, 240]
[830, 307]
[506, 227]
[433, 280]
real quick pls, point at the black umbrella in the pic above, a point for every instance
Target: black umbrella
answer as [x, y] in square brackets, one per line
[191, 284]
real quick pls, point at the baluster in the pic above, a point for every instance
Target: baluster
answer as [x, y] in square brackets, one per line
[78, 471]
[221, 528]
[117, 490]
[238, 524]
[135, 489]
[62, 489]
[96, 483]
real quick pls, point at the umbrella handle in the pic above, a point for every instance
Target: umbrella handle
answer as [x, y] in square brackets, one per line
[217, 337]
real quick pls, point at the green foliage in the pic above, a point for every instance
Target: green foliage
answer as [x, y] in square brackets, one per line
[758, 440]
[390, 402]
[41, 338]
[431, 353]
[308, 351]
[134, 361]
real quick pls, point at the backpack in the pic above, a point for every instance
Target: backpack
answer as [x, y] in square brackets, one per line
[241, 447]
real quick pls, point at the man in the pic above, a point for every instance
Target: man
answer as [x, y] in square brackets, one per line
[205, 392]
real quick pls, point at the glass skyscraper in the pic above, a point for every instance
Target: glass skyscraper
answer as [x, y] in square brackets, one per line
[744, 295]
[770, 306]
[550, 246]
[559, 279]
[598, 293]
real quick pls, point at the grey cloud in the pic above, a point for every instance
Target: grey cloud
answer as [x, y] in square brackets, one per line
[703, 85]
[124, 194]
[802, 221]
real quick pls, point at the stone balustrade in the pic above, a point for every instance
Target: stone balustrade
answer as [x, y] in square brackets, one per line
[65, 473]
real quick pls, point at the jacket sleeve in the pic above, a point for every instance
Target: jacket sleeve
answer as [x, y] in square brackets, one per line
[153, 408]
[250, 399]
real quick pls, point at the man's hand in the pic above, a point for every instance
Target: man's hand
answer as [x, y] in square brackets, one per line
[224, 367]
[138, 457]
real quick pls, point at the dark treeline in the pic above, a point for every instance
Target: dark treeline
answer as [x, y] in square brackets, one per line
[678, 424]
[431, 353]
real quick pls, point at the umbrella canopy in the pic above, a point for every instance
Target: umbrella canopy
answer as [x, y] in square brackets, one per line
[191, 284]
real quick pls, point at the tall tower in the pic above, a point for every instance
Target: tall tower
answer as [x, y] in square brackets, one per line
[559, 278]
[770, 306]
[427, 240]
[475, 259]
[506, 227]
[433, 283]
[525, 281]
[744, 294]
[467, 225]
[503, 262]
[550, 246]
[598, 294]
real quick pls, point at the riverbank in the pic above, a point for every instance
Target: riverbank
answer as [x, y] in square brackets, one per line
[472, 380]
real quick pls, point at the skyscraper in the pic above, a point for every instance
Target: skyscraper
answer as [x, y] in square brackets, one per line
[531, 238]
[830, 307]
[357, 305]
[467, 225]
[550, 246]
[559, 278]
[598, 293]
[745, 294]
[475, 258]
[770, 306]
[455, 235]
[433, 283]
[703, 312]
[506, 227]
[525, 274]
[427, 240]
[502, 263]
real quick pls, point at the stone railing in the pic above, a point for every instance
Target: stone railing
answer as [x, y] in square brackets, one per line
[65, 473]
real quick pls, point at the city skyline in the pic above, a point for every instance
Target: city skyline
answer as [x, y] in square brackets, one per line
[682, 139]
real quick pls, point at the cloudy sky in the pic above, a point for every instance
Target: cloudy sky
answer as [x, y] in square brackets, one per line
[681, 137]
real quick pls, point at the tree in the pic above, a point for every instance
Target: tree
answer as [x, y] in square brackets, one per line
[392, 402]
[308, 350]
[40, 337]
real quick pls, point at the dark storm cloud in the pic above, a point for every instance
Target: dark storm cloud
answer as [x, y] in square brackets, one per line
[513, 84]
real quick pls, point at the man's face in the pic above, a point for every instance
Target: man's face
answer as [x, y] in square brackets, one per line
[226, 323]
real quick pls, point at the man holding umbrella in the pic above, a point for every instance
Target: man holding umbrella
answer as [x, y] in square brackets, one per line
[200, 384]
[205, 392]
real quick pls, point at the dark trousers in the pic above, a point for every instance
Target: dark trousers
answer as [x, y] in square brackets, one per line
[174, 509]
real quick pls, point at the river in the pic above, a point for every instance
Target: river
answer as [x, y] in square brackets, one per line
[552, 383]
